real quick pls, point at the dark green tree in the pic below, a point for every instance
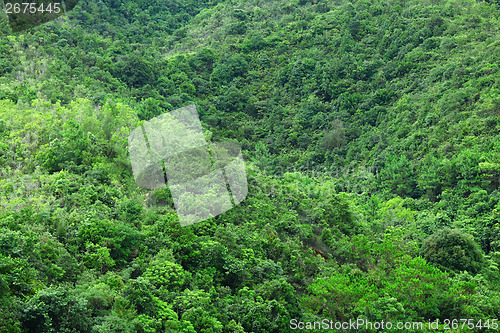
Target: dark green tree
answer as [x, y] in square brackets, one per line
[453, 250]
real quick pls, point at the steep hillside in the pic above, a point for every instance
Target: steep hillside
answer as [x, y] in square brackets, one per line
[371, 136]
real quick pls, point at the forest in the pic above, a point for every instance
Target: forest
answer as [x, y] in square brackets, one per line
[370, 131]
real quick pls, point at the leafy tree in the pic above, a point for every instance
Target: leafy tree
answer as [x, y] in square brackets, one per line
[338, 296]
[109, 241]
[166, 276]
[236, 65]
[72, 149]
[416, 283]
[335, 138]
[453, 250]
[136, 71]
[56, 309]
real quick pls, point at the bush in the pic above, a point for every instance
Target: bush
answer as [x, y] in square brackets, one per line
[56, 310]
[452, 250]
[335, 138]
[73, 150]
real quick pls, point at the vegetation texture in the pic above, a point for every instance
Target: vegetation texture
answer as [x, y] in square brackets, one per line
[371, 136]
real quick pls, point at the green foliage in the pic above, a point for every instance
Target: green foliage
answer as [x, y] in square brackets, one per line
[234, 66]
[450, 249]
[166, 275]
[335, 138]
[419, 286]
[139, 293]
[98, 257]
[367, 129]
[136, 71]
[338, 296]
[56, 309]
[107, 241]
[73, 150]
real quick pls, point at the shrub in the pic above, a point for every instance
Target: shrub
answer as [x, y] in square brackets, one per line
[453, 250]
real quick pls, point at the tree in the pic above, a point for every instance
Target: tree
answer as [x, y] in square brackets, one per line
[136, 71]
[335, 137]
[453, 250]
[236, 65]
[56, 309]
[419, 287]
[166, 276]
[337, 296]
[70, 149]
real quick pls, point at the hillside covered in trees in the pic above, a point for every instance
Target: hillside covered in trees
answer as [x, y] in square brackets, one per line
[371, 136]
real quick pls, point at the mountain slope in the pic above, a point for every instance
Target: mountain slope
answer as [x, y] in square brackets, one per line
[370, 131]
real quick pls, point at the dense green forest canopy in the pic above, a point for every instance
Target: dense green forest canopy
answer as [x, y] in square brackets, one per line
[371, 135]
